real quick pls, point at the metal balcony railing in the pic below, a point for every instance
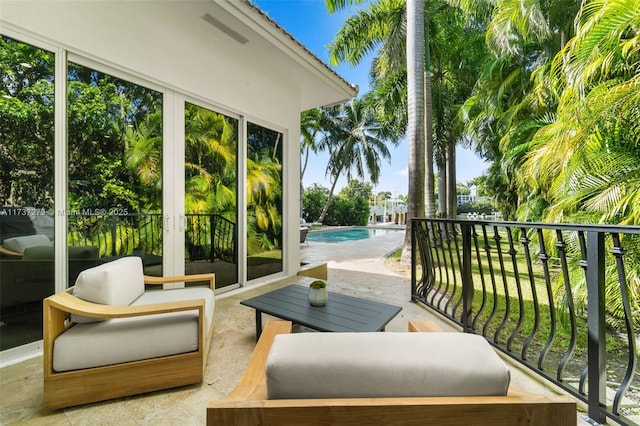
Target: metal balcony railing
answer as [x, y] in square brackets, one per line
[560, 299]
[208, 237]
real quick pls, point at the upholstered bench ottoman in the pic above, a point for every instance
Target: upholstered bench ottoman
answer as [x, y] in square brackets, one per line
[369, 365]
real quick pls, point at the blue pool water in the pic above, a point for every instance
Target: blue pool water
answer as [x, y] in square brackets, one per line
[347, 234]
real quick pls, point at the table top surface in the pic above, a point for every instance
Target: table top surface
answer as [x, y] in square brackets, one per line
[342, 313]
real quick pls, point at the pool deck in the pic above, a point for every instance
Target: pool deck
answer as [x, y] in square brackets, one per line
[359, 255]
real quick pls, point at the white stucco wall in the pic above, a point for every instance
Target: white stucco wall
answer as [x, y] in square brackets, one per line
[167, 43]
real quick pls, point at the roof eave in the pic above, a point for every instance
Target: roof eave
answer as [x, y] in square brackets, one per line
[260, 22]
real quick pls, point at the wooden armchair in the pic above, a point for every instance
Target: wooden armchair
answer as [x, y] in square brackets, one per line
[247, 404]
[84, 385]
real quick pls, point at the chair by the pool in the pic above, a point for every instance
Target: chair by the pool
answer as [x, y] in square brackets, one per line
[248, 403]
[303, 235]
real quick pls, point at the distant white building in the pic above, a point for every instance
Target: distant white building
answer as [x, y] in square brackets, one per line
[468, 198]
[392, 210]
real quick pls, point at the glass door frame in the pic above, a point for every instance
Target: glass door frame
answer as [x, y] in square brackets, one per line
[286, 196]
[179, 157]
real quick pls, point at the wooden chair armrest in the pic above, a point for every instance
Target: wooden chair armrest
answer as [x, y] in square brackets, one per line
[253, 383]
[68, 303]
[182, 278]
[9, 252]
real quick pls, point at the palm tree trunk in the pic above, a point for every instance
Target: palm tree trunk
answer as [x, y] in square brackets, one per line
[452, 188]
[430, 198]
[302, 170]
[329, 198]
[442, 186]
[415, 102]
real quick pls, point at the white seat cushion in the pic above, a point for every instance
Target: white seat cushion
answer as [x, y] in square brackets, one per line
[179, 294]
[125, 339]
[362, 365]
[130, 339]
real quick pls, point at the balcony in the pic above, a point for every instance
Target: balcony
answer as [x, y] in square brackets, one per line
[363, 273]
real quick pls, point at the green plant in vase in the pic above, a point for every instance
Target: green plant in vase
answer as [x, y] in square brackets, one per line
[318, 295]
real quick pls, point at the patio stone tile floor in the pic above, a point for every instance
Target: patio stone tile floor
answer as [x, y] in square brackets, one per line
[355, 268]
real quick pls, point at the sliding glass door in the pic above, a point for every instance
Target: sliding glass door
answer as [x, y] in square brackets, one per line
[114, 146]
[264, 201]
[26, 189]
[111, 171]
[210, 201]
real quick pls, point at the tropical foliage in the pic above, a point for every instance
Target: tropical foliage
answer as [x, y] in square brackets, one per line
[26, 124]
[355, 139]
[556, 110]
[546, 91]
[349, 207]
[115, 146]
[210, 162]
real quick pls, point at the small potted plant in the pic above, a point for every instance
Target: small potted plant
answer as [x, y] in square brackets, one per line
[318, 295]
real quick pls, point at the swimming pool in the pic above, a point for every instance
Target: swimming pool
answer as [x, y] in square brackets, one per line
[347, 234]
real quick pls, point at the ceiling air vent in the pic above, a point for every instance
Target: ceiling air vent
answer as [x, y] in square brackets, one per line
[225, 29]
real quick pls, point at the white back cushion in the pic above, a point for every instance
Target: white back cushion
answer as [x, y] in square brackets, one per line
[116, 283]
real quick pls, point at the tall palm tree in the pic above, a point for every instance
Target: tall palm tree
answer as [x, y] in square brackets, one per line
[310, 127]
[144, 156]
[416, 118]
[455, 50]
[384, 27]
[357, 141]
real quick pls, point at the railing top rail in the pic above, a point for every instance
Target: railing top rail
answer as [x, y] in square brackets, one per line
[626, 229]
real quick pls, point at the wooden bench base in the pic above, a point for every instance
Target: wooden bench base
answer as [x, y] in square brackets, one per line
[424, 326]
[247, 404]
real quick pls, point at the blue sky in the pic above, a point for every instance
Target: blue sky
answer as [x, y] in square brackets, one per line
[310, 23]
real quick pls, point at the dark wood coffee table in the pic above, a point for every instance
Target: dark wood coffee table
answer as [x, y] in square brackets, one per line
[341, 313]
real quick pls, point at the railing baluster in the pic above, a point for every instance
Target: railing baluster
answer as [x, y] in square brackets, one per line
[561, 245]
[467, 278]
[435, 244]
[412, 227]
[212, 227]
[516, 274]
[507, 310]
[583, 264]
[114, 237]
[452, 244]
[458, 303]
[444, 241]
[532, 284]
[426, 252]
[487, 248]
[618, 252]
[544, 258]
[481, 273]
